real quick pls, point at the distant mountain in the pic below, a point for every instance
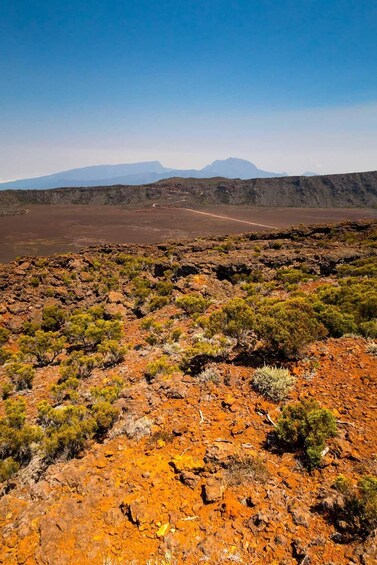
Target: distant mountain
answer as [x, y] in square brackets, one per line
[237, 168]
[140, 173]
[310, 174]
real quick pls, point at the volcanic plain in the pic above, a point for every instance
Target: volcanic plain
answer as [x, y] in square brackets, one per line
[46, 229]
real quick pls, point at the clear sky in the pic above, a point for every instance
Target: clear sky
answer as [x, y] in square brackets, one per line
[288, 84]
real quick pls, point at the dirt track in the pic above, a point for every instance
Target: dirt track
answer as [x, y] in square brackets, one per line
[228, 219]
[50, 229]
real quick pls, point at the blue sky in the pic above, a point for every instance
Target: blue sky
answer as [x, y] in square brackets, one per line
[290, 85]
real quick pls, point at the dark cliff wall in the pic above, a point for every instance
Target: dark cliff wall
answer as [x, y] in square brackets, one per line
[346, 190]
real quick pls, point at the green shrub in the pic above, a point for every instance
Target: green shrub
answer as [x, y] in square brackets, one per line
[367, 487]
[286, 327]
[108, 392]
[358, 507]
[44, 346]
[15, 411]
[6, 390]
[30, 327]
[87, 330]
[306, 426]
[21, 374]
[104, 415]
[4, 335]
[8, 467]
[16, 437]
[194, 358]
[67, 429]
[79, 366]
[66, 390]
[52, 318]
[193, 303]
[354, 296]
[291, 275]
[176, 334]
[112, 351]
[142, 288]
[158, 302]
[235, 319]
[164, 288]
[369, 329]
[366, 267]
[5, 355]
[161, 366]
[337, 322]
[272, 382]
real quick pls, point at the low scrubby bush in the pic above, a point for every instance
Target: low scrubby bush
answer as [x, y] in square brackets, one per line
[273, 383]
[20, 374]
[286, 327]
[4, 335]
[67, 428]
[66, 390]
[306, 426]
[193, 303]
[336, 322]
[358, 506]
[5, 355]
[87, 330]
[79, 366]
[109, 390]
[112, 351]
[8, 467]
[17, 437]
[161, 366]
[235, 319]
[157, 302]
[43, 346]
[53, 318]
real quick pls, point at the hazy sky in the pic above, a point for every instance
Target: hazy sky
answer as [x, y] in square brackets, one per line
[290, 85]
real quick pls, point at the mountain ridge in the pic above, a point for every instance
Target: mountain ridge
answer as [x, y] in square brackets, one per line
[139, 173]
[349, 190]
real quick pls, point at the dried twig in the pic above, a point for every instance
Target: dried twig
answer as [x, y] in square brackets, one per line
[270, 420]
[342, 423]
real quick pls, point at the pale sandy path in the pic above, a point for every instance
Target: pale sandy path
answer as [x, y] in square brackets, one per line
[229, 219]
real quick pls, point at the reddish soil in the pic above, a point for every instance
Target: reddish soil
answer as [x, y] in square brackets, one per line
[167, 485]
[53, 229]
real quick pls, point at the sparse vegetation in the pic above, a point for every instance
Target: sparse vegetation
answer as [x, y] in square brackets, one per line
[16, 437]
[358, 507]
[43, 346]
[274, 383]
[20, 374]
[153, 386]
[161, 366]
[4, 335]
[240, 471]
[288, 326]
[193, 303]
[306, 426]
[235, 319]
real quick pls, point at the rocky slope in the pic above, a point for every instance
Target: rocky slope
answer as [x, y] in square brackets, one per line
[347, 190]
[190, 469]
